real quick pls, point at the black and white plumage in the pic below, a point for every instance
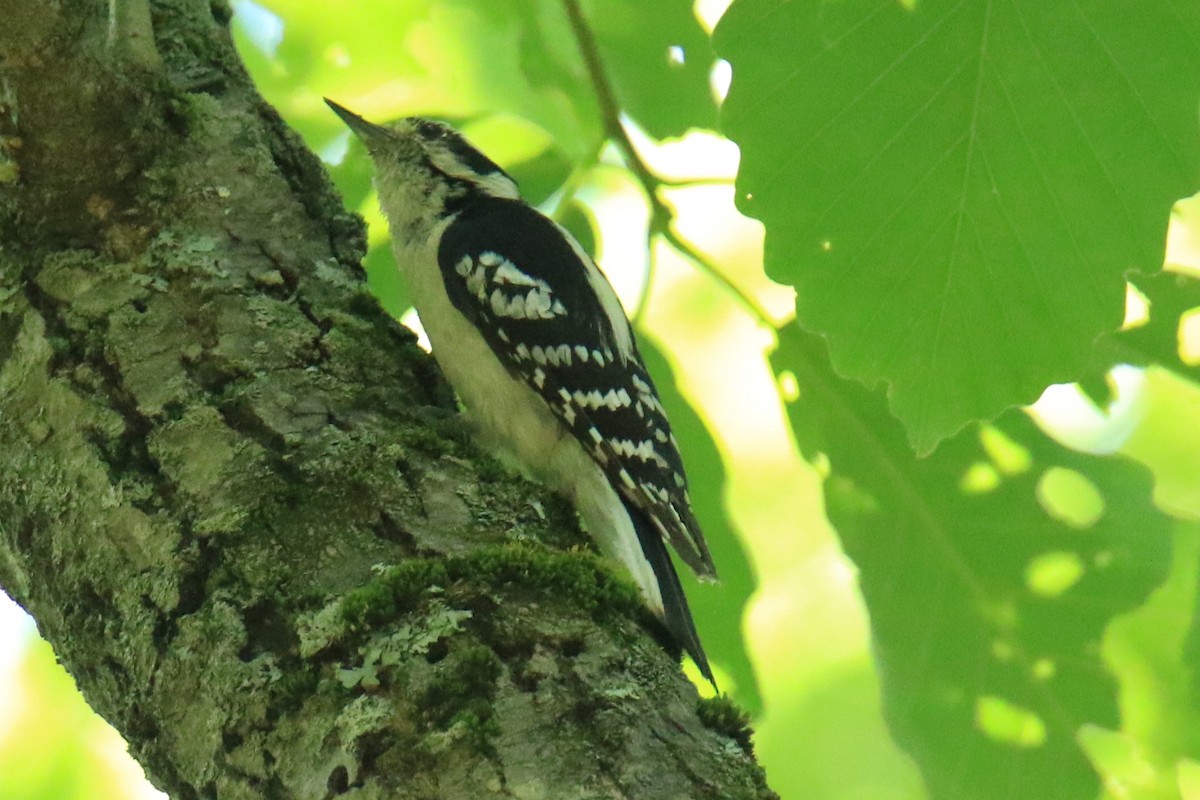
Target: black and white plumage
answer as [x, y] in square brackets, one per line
[533, 339]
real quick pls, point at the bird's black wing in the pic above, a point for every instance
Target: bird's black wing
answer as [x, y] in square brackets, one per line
[551, 317]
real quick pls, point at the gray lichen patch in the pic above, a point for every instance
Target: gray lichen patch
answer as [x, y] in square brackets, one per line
[413, 637]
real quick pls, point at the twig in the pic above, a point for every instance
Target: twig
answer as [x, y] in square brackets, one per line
[661, 215]
[647, 281]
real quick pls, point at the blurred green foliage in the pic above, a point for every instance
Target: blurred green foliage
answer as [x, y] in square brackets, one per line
[956, 191]
[52, 746]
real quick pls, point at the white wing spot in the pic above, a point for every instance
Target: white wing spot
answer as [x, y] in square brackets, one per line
[463, 267]
[626, 479]
[538, 303]
[644, 450]
[489, 259]
[477, 283]
[499, 304]
[660, 435]
[552, 356]
[539, 355]
[516, 309]
[508, 273]
[564, 354]
[539, 378]
[661, 494]
[595, 434]
[590, 400]
[558, 308]
[502, 335]
[599, 358]
[522, 351]
[582, 352]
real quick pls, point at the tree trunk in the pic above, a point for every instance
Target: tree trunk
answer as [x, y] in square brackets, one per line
[232, 490]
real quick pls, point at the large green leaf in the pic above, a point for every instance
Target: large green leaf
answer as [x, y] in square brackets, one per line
[955, 188]
[990, 571]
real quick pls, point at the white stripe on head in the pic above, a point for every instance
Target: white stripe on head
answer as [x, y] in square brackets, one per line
[496, 184]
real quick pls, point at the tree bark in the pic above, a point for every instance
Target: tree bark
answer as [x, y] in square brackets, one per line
[233, 492]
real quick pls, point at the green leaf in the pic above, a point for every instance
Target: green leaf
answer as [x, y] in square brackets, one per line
[990, 571]
[956, 189]
[659, 59]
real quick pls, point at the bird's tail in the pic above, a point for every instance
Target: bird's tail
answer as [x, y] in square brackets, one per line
[676, 615]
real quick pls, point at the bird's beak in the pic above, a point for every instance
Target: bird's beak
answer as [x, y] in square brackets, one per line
[367, 131]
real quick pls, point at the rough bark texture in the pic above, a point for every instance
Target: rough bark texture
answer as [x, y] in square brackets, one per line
[233, 492]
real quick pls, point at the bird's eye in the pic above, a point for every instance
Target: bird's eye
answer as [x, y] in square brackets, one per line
[431, 130]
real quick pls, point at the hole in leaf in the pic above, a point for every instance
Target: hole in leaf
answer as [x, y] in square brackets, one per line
[1051, 574]
[1137, 308]
[1009, 723]
[820, 463]
[719, 79]
[1069, 497]
[1008, 456]
[789, 387]
[1189, 337]
[676, 56]
[980, 478]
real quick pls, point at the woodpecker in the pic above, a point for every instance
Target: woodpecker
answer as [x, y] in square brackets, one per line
[533, 339]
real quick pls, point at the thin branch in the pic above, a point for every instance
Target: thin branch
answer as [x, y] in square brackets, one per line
[661, 215]
[707, 266]
[611, 115]
[647, 281]
[687, 183]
